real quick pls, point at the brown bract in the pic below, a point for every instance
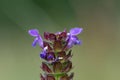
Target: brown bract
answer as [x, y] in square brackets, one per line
[57, 36]
[57, 67]
[64, 78]
[50, 77]
[57, 46]
[46, 68]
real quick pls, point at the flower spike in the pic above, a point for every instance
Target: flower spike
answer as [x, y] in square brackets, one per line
[56, 52]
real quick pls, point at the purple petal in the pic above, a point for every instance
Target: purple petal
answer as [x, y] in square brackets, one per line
[35, 42]
[43, 54]
[40, 41]
[77, 42]
[76, 31]
[70, 44]
[74, 38]
[50, 57]
[33, 32]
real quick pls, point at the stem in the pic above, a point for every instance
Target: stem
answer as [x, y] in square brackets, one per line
[57, 77]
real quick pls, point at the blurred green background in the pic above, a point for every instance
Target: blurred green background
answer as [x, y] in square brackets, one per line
[98, 58]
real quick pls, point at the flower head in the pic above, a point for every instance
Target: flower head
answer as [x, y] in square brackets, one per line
[55, 42]
[56, 51]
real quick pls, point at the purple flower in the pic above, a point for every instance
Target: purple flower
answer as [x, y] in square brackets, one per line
[43, 53]
[38, 39]
[72, 37]
[50, 57]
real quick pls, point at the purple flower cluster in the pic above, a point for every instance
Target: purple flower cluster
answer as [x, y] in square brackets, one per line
[69, 39]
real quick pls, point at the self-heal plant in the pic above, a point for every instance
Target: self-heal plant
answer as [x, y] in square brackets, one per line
[56, 52]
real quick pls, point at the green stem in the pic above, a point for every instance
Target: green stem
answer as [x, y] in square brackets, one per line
[57, 77]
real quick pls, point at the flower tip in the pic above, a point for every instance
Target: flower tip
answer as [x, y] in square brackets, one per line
[81, 29]
[78, 42]
[76, 31]
[33, 32]
[33, 45]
